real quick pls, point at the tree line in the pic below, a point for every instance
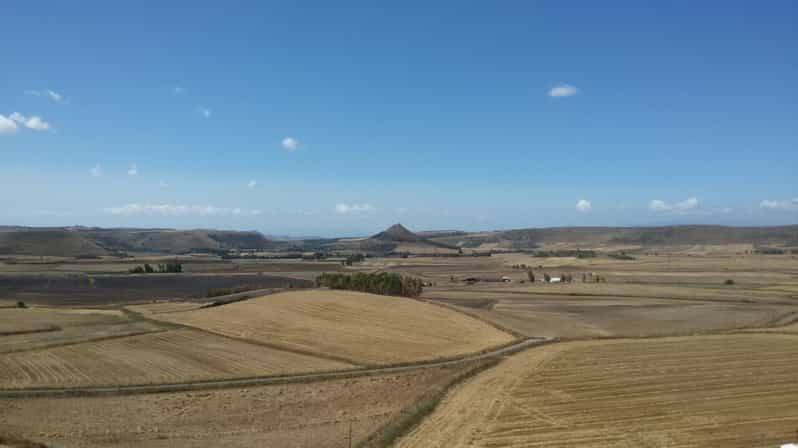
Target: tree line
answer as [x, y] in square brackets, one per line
[168, 267]
[384, 283]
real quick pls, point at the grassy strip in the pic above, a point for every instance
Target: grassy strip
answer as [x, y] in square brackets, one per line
[37, 330]
[17, 442]
[412, 415]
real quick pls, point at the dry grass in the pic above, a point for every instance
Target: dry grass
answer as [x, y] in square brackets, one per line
[149, 309]
[314, 414]
[171, 356]
[364, 328]
[730, 391]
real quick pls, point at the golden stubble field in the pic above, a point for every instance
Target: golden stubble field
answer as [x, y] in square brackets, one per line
[702, 391]
[316, 414]
[164, 357]
[365, 329]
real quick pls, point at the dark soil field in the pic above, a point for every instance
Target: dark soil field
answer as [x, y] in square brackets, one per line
[101, 290]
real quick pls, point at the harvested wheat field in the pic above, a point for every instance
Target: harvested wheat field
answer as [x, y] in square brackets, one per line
[163, 357]
[316, 414]
[41, 327]
[362, 328]
[704, 391]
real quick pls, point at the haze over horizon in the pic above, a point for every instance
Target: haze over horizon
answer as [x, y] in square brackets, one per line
[341, 119]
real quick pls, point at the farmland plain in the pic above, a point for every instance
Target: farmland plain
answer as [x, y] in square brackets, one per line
[651, 333]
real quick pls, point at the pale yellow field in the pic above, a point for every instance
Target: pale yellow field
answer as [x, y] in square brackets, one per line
[736, 391]
[169, 356]
[363, 328]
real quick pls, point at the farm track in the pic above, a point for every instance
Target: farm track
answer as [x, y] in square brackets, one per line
[792, 301]
[265, 380]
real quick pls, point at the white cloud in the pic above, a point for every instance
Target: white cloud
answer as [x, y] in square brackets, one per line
[35, 123]
[51, 213]
[343, 209]
[179, 90]
[682, 207]
[7, 125]
[787, 204]
[96, 171]
[163, 184]
[291, 144]
[178, 210]
[562, 91]
[133, 170]
[252, 183]
[205, 112]
[584, 206]
[55, 96]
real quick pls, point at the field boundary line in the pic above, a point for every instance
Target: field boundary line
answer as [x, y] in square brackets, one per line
[628, 296]
[86, 341]
[266, 380]
[483, 319]
[272, 346]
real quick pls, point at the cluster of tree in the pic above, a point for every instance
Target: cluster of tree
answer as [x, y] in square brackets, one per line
[769, 251]
[519, 266]
[621, 256]
[578, 253]
[354, 258]
[590, 278]
[168, 267]
[384, 283]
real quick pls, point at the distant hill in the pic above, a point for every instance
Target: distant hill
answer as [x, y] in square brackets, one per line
[397, 233]
[396, 238]
[639, 236]
[89, 241]
[47, 241]
[81, 241]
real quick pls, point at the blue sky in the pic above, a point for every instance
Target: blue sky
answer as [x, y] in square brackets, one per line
[340, 118]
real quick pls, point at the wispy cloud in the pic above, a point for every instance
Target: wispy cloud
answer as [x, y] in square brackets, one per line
[53, 95]
[179, 91]
[97, 171]
[7, 125]
[783, 204]
[562, 91]
[584, 206]
[35, 123]
[343, 209]
[135, 209]
[205, 112]
[163, 184]
[133, 170]
[52, 213]
[290, 144]
[682, 207]
[252, 183]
